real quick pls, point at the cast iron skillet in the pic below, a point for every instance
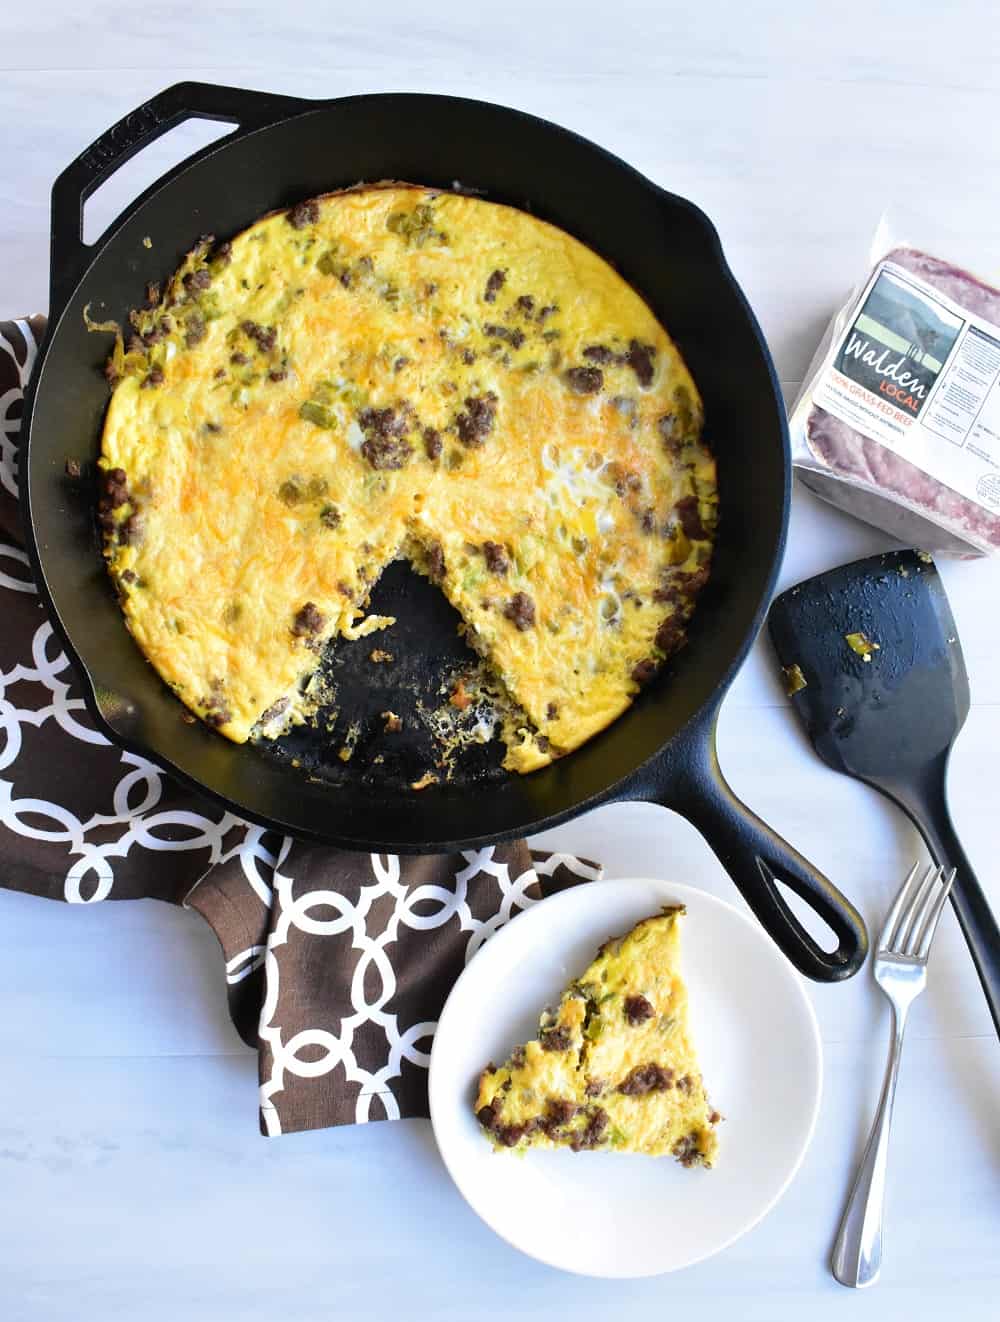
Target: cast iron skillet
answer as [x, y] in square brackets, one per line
[663, 749]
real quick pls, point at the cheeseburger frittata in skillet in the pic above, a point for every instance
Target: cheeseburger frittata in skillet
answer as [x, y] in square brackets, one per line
[388, 372]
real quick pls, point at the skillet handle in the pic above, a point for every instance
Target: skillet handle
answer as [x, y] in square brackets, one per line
[137, 129]
[754, 856]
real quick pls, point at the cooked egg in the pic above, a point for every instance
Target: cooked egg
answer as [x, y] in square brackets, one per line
[388, 371]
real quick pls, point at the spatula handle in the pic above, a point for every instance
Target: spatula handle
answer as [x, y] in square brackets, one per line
[975, 917]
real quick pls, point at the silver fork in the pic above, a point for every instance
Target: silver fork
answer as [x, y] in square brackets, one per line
[900, 969]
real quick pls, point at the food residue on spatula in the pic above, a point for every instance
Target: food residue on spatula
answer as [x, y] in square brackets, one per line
[795, 681]
[862, 645]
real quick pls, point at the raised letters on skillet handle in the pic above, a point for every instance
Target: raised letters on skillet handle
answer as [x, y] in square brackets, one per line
[754, 856]
[118, 144]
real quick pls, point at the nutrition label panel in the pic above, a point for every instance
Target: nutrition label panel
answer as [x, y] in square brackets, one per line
[965, 408]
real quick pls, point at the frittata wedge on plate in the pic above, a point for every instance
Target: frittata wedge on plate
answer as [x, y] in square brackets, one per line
[613, 1067]
[385, 372]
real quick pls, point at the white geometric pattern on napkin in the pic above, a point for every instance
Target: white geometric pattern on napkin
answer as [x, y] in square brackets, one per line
[10, 405]
[373, 947]
[132, 799]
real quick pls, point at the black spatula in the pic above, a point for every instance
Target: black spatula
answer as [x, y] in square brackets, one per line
[875, 671]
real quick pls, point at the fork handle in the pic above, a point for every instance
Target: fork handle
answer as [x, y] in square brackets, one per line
[857, 1253]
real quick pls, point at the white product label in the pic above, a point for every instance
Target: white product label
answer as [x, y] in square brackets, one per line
[921, 376]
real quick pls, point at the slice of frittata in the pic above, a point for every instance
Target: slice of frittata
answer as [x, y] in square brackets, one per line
[613, 1066]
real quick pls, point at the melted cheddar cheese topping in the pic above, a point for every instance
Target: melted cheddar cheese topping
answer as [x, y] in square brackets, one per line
[392, 372]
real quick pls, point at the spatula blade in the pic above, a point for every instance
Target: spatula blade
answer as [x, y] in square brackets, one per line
[873, 663]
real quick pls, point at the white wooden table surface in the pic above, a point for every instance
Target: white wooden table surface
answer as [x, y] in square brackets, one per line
[133, 1183]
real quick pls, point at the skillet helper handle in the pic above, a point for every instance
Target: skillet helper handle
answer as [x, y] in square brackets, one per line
[755, 857]
[118, 144]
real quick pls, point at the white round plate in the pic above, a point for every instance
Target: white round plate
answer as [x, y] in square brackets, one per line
[615, 1214]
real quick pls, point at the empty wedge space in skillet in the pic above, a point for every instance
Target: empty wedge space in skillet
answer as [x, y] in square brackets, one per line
[394, 371]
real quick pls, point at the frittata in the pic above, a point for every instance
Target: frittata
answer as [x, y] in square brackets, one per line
[613, 1066]
[391, 371]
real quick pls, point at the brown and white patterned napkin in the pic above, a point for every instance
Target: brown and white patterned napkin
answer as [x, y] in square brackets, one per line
[337, 964]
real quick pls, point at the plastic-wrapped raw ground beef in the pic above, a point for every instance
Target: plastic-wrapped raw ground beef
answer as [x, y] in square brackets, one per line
[880, 486]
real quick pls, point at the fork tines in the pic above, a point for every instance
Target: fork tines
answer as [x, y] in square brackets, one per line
[913, 918]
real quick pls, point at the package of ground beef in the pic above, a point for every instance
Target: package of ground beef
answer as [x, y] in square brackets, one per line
[899, 420]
